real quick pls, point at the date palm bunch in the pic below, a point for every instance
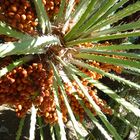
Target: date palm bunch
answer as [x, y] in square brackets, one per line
[54, 53]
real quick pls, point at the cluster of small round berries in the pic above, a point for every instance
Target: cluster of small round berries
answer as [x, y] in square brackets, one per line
[47, 108]
[52, 7]
[93, 93]
[76, 106]
[21, 86]
[103, 66]
[27, 85]
[24, 86]
[19, 14]
[32, 84]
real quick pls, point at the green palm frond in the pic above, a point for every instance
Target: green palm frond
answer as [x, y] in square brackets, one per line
[103, 38]
[96, 107]
[126, 121]
[116, 29]
[112, 9]
[83, 15]
[67, 103]
[94, 120]
[30, 46]
[62, 60]
[7, 30]
[42, 16]
[111, 76]
[111, 48]
[114, 61]
[69, 9]
[19, 131]
[116, 17]
[52, 129]
[122, 54]
[110, 20]
[11, 66]
[60, 120]
[41, 130]
[112, 94]
[60, 16]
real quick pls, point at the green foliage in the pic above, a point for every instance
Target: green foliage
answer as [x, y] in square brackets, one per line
[89, 25]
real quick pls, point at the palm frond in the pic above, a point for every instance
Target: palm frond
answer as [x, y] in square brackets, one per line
[112, 9]
[86, 10]
[60, 15]
[16, 63]
[80, 9]
[111, 48]
[72, 117]
[88, 28]
[42, 16]
[127, 71]
[9, 31]
[111, 93]
[95, 106]
[111, 76]
[69, 8]
[126, 121]
[20, 127]
[110, 60]
[116, 29]
[40, 128]
[68, 13]
[117, 16]
[53, 133]
[94, 120]
[29, 46]
[58, 109]
[103, 9]
[102, 38]
[122, 54]
[32, 123]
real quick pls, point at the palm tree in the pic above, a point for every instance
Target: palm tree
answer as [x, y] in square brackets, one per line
[53, 56]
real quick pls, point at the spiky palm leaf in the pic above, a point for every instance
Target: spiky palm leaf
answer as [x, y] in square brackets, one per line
[64, 60]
